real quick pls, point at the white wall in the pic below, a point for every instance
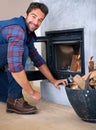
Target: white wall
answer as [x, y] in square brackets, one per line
[67, 14]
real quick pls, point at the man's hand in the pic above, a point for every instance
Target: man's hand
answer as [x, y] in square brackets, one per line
[22, 80]
[35, 95]
[46, 72]
[61, 81]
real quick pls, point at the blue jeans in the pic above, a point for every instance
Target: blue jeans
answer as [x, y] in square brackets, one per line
[8, 86]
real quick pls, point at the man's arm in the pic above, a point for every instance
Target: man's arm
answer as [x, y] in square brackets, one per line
[46, 72]
[15, 52]
[41, 64]
[22, 80]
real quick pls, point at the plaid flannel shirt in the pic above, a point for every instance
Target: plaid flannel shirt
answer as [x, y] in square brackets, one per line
[15, 37]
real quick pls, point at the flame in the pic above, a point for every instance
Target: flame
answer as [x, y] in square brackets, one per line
[78, 56]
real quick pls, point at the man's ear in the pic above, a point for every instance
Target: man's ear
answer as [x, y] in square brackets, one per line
[25, 15]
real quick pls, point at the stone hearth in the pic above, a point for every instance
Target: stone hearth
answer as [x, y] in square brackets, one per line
[52, 94]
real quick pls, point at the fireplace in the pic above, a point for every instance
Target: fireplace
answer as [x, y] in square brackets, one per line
[64, 53]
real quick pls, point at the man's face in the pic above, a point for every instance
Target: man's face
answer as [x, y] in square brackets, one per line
[34, 19]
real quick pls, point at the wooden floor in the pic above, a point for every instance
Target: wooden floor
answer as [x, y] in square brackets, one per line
[50, 117]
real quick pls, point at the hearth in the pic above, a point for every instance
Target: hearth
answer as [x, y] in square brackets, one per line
[64, 53]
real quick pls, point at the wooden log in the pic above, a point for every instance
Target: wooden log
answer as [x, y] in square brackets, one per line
[91, 64]
[74, 64]
[80, 81]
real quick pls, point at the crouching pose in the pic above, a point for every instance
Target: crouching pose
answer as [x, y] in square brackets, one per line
[17, 38]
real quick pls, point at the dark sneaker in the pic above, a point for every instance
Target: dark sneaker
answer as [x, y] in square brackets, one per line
[20, 106]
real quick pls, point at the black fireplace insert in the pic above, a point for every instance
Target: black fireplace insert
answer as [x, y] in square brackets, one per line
[64, 53]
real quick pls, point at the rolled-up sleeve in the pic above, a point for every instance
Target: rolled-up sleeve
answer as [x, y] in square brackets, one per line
[15, 37]
[35, 56]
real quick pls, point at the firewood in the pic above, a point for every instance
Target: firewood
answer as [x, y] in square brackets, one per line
[75, 63]
[80, 81]
[92, 82]
[91, 64]
[74, 86]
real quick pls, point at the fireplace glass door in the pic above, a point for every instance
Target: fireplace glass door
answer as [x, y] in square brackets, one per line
[67, 56]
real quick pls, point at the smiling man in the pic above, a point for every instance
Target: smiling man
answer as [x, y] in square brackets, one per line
[17, 38]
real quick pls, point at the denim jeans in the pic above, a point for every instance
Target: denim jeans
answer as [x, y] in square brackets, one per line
[8, 86]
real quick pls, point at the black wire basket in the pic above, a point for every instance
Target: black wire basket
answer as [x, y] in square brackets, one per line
[83, 102]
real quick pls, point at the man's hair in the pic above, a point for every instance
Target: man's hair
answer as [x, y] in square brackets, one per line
[37, 5]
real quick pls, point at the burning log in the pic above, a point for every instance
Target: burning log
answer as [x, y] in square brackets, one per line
[75, 63]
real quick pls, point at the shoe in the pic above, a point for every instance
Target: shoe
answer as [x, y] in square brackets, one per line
[20, 106]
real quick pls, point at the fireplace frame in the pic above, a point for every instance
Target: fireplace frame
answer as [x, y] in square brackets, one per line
[65, 36]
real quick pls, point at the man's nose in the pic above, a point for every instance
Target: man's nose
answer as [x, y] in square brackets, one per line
[36, 21]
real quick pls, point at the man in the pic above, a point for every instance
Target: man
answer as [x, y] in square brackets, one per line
[16, 44]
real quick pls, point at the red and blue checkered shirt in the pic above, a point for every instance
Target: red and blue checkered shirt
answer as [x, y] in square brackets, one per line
[15, 36]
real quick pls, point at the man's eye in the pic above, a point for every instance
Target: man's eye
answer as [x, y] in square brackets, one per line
[33, 16]
[40, 20]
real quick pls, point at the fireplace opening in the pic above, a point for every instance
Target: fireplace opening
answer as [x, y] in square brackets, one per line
[67, 56]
